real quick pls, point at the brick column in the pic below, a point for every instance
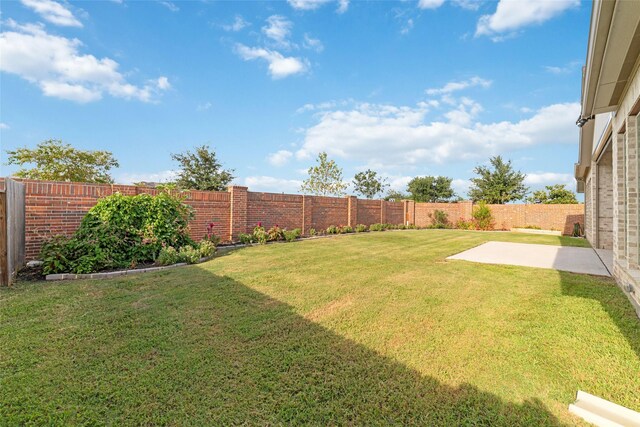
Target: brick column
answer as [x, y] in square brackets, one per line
[238, 223]
[619, 198]
[409, 212]
[352, 209]
[383, 212]
[632, 191]
[307, 214]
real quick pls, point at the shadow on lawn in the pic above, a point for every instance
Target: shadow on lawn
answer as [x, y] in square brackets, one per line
[611, 298]
[280, 367]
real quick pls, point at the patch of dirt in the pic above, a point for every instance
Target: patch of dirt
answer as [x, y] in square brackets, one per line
[30, 274]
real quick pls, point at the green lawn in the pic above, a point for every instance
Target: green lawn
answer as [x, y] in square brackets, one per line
[369, 329]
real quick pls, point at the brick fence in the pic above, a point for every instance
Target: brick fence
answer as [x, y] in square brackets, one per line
[54, 208]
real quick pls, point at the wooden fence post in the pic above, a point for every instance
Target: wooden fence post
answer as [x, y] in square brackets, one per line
[4, 260]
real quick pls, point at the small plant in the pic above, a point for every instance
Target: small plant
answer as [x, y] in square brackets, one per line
[577, 230]
[189, 254]
[312, 232]
[260, 235]
[292, 235]
[463, 224]
[210, 235]
[168, 255]
[246, 238]
[344, 229]
[275, 233]
[207, 248]
[532, 227]
[332, 229]
[440, 219]
[361, 228]
[482, 217]
[377, 227]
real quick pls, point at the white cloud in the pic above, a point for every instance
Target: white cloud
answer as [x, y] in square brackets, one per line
[461, 85]
[408, 26]
[387, 136]
[238, 24]
[131, 177]
[468, 4]
[55, 64]
[278, 29]
[280, 157]
[171, 6]
[549, 178]
[430, 4]
[280, 66]
[311, 43]
[566, 69]
[343, 5]
[4, 126]
[204, 107]
[272, 184]
[512, 15]
[461, 187]
[53, 12]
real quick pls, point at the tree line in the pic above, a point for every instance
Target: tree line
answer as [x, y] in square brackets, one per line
[200, 169]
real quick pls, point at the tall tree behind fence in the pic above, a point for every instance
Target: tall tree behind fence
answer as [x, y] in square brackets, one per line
[12, 230]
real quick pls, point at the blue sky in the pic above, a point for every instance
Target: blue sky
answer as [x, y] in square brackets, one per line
[406, 88]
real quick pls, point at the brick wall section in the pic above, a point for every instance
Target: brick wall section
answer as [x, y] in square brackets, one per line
[284, 210]
[54, 208]
[604, 202]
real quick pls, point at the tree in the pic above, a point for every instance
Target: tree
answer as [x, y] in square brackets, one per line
[499, 185]
[396, 196]
[56, 161]
[368, 183]
[200, 170]
[325, 179]
[431, 189]
[553, 195]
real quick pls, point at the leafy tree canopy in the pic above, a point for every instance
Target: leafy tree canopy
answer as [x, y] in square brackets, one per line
[54, 160]
[498, 184]
[369, 184]
[431, 189]
[553, 195]
[396, 196]
[325, 179]
[200, 170]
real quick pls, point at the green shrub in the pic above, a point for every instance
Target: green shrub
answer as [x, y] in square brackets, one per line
[332, 229]
[260, 235]
[188, 254]
[344, 229]
[206, 248]
[361, 228]
[118, 232]
[377, 227]
[275, 233]
[312, 232]
[463, 224]
[292, 235]
[440, 219]
[167, 256]
[482, 217]
[531, 227]
[246, 238]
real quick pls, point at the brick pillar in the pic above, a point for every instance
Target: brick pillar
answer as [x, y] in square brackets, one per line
[352, 209]
[466, 210]
[619, 198]
[307, 214]
[632, 191]
[383, 212]
[238, 223]
[409, 212]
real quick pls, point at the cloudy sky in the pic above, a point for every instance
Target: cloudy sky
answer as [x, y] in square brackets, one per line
[407, 88]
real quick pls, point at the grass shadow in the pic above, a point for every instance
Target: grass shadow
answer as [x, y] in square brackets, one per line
[197, 348]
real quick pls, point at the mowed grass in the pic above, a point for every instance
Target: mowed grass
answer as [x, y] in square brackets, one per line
[371, 329]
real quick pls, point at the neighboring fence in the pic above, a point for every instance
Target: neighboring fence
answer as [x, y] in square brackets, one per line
[54, 208]
[12, 230]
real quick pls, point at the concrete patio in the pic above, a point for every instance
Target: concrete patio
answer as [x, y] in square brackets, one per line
[563, 258]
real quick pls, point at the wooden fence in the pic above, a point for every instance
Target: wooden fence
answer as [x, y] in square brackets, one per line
[12, 230]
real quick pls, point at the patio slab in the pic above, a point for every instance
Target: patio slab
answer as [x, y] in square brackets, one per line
[563, 258]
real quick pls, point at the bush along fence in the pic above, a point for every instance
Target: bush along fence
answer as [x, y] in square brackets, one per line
[58, 208]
